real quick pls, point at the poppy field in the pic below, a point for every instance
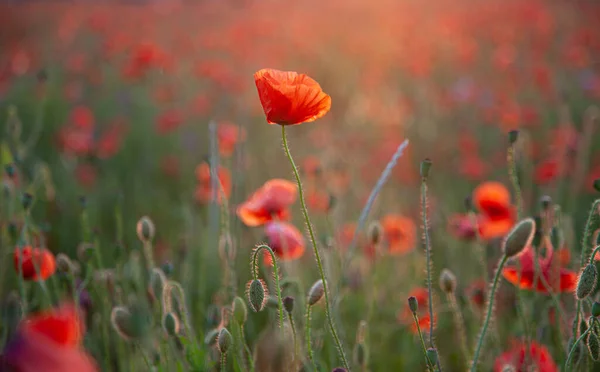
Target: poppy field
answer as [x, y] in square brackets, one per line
[323, 185]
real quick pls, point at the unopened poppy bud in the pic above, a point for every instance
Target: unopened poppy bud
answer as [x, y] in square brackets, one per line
[240, 311]
[593, 346]
[597, 184]
[447, 281]
[361, 354]
[27, 200]
[375, 232]
[145, 229]
[211, 337]
[64, 264]
[519, 237]
[224, 340]
[171, 324]
[120, 319]
[513, 136]
[315, 292]
[432, 355]
[257, 294]
[587, 281]
[413, 304]
[596, 309]
[425, 167]
[288, 304]
[546, 202]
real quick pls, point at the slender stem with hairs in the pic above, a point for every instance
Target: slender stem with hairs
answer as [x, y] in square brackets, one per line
[459, 325]
[275, 275]
[488, 316]
[293, 326]
[316, 251]
[309, 350]
[429, 364]
[427, 243]
[240, 328]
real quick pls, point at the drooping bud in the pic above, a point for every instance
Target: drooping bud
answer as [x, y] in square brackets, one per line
[593, 346]
[145, 229]
[425, 167]
[240, 311]
[288, 304]
[375, 232]
[519, 237]
[413, 304]
[432, 355]
[120, 318]
[447, 281]
[257, 293]
[587, 281]
[224, 340]
[171, 324]
[316, 292]
[596, 309]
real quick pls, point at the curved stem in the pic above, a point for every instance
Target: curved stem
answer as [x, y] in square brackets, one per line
[275, 274]
[427, 243]
[429, 364]
[575, 345]
[307, 336]
[593, 256]
[488, 315]
[316, 251]
[246, 347]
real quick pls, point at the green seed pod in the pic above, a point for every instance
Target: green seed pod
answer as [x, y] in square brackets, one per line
[361, 354]
[257, 293]
[171, 324]
[447, 281]
[211, 337]
[519, 237]
[120, 319]
[240, 311]
[315, 293]
[145, 229]
[288, 304]
[413, 304]
[587, 281]
[593, 346]
[224, 340]
[596, 309]
[432, 355]
[577, 353]
[425, 167]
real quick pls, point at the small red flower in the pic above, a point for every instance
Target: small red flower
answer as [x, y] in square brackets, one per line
[400, 233]
[229, 135]
[285, 240]
[61, 325]
[271, 201]
[34, 263]
[290, 98]
[537, 355]
[497, 216]
[204, 190]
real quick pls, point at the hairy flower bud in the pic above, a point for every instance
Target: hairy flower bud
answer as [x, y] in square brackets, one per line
[519, 237]
[145, 229]
[447, 281]
[240, 311]
[224, 340]
[587, 281]
[413, 304]
[257, 293]
[316, 292]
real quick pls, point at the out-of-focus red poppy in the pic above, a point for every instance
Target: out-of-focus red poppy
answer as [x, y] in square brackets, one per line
[169, 121]
[462, 226]
[34, 263]
[517, 356]
[497, 216]
[400, 233]
[557, 278]
[476, 293]
[290, 98]
[317, 199]
[472, 167]
[271, 201]
[406, 316]
[229, 135]
[204, 189]
[285, 239]
[311, 166]
[110, 142]
[86, 175]
[49, 342]
[547, 171]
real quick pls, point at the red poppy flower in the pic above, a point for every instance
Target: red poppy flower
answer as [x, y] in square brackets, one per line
[547, 171]
[204, 190]
[285, 240]
[406, 316]
[400, 232]
[538, 357]
[497, 214]
[476, 293]
[48, 342]
[290, 98]
[36, 264]
[270, 201]
[229, 135]
[317, 199]
[557, 278]
[462, 226]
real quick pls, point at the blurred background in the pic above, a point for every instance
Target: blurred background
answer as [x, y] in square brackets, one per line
[114, 109]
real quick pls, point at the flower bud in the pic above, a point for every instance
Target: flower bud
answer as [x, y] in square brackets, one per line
[145, 229]
[447, 281]
[288, 304]
[587, 281]
[546, 202]
[171, 324]
[413, 304]
[85, 252]
[257, 293]
[224, 340]
[240, 311]
[596, 309]
[519, 237]
[593, 346]
[425, 167]
[432, 355]
[315, 292]
[375, 233]
[513, 136]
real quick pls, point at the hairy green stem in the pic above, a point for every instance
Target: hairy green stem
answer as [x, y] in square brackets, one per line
[316, 251]
[429, 364]
[293, 326]
[577, 344]
[427, 243]
[459, 324]
[309, 350]
[246, 347]
[275, 275]
[488, 315]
